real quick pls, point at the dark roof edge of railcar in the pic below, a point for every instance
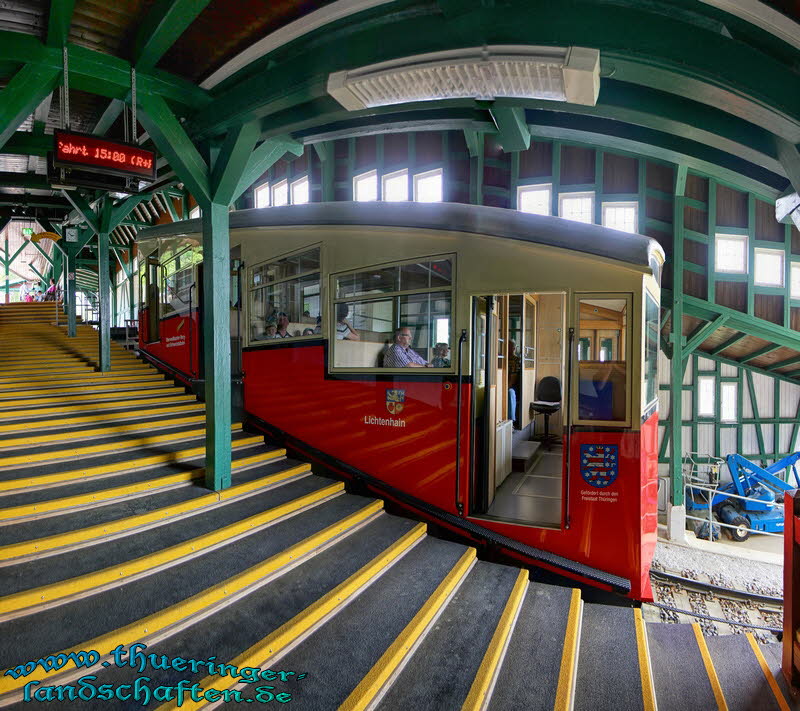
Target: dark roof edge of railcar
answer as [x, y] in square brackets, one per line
[454, 217]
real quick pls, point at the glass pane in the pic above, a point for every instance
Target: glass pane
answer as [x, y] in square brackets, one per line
[377, 281]
[300, 192]
[651, 349]
[578, 208]
[731, 254]
[428, 188]
[280, 194]
[395, 187]
[441, 272]
[415, 276]
[769, 267]
[262, 195]
[363, 332]
[602, 370]
[284, 310]
[534, 200]
[365, 187]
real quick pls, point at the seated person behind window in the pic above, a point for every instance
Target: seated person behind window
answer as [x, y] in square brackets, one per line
[440, 359]
[400, 353]
[270, 331]
[318, 326]
[283, 323]
[308, 331]
[344, 329]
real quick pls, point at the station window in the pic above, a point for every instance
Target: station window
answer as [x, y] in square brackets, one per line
[372, 306]
[536, 199]
[603, 337]
[795, 288]
[768, 267]
[706, 396]
[365, 187]
[428, 186]
[195, 212]
[280, 193]
[300, 191]
[576, 206]
[728, 396]
[395, 186]
[285, 297]
[620, 216]
[261, 195]
[731, 254]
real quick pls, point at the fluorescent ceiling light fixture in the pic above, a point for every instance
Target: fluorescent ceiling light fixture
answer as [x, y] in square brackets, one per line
[569, 74]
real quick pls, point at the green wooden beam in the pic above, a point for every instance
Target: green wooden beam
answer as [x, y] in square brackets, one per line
[789, 157]
[784, 363]
[165, 22]
[173, 213]
[514, 134]
[760, 352]
[42, 252]
[232, 161]
[59, 22]
[26, 143]
[727, 344]
[23, 93]
[29, 181]
[474, 144]
[83, 208]
[110, 115]
[325, 153]
[701, 333]
[171, 140]
[264, 157]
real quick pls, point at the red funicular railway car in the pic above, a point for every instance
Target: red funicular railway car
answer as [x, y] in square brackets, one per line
[428, 349]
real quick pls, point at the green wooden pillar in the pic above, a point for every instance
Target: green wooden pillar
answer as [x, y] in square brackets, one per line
[71, 248]
[7, 266]
[132, 277]
[217, 345]
[678, 363]
[104, 288]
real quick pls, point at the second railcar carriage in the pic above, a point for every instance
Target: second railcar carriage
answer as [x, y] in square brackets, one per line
[431, 350]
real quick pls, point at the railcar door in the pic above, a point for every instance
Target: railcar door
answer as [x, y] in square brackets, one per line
[153, 302]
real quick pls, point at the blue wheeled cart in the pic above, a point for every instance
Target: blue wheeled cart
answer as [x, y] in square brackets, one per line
[752, 500]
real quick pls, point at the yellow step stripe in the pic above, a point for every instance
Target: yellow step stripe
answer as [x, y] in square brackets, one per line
[159, 516]
[101, 417]
[183, 611]
[645, 672]
[483, 683]
[109, 431]
[118, 492]
[141, 381]
[82, 378]
[773, 684]
[134, 390]
[109, 469]
[375, 679]
[97, 407]
[133, 569]
[569, 656]
[716, 687]
[106, 447]
[308, 619]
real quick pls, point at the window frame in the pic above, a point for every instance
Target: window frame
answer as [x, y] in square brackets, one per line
[248, 289]
[388, 176]
[421, 176]
[712, 411]
[362, 177]
[781, 273]
[579, 194]
[573, 354]
[275, 187]
[633, 204]
[333, 301]
[292, 186]
[647, 404]
[723, 386]
[792, 267]
[195, 212]
[744, 239]
[260, 190]
[536, 187]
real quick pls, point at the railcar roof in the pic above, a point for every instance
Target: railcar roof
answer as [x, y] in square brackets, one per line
[633, 249]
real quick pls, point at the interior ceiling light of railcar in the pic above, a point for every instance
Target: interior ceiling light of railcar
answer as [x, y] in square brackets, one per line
[569, 74]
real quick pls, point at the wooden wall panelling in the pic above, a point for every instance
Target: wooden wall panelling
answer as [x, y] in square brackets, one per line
[660, 176]
[621, 175]
[769, 307]
[537, 161]
[577, 165]
[697, 187]
[731, 207]
[766, 226]
[732, 294]
[366, 148]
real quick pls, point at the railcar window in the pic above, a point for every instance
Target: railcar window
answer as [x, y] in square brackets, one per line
[372, 306]
[651, 325]
[285, 297]
[177, 279]
[602, 361]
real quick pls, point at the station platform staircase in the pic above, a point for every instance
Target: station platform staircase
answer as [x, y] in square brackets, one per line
[108, 538]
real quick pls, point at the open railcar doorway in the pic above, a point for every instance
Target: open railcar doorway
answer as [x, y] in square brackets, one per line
[519, 408]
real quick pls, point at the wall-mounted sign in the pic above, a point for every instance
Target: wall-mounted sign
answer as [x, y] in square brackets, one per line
[109, 157]
[27, 231]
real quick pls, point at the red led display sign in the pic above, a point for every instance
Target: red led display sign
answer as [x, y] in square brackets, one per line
[77, 149]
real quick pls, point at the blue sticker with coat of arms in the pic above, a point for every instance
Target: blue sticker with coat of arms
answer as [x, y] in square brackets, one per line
[599, 464]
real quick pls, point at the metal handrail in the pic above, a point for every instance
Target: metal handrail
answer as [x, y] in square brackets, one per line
[720, 523]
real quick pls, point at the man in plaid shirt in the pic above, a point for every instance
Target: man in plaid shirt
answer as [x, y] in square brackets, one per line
[401, 355]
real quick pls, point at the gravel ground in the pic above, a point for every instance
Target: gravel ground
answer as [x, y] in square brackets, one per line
[729, 571]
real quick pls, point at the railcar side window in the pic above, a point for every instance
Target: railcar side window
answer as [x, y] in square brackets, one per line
[177, 279]
[284, 297]
[602, 343]
[394, 316]
[651, 325]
